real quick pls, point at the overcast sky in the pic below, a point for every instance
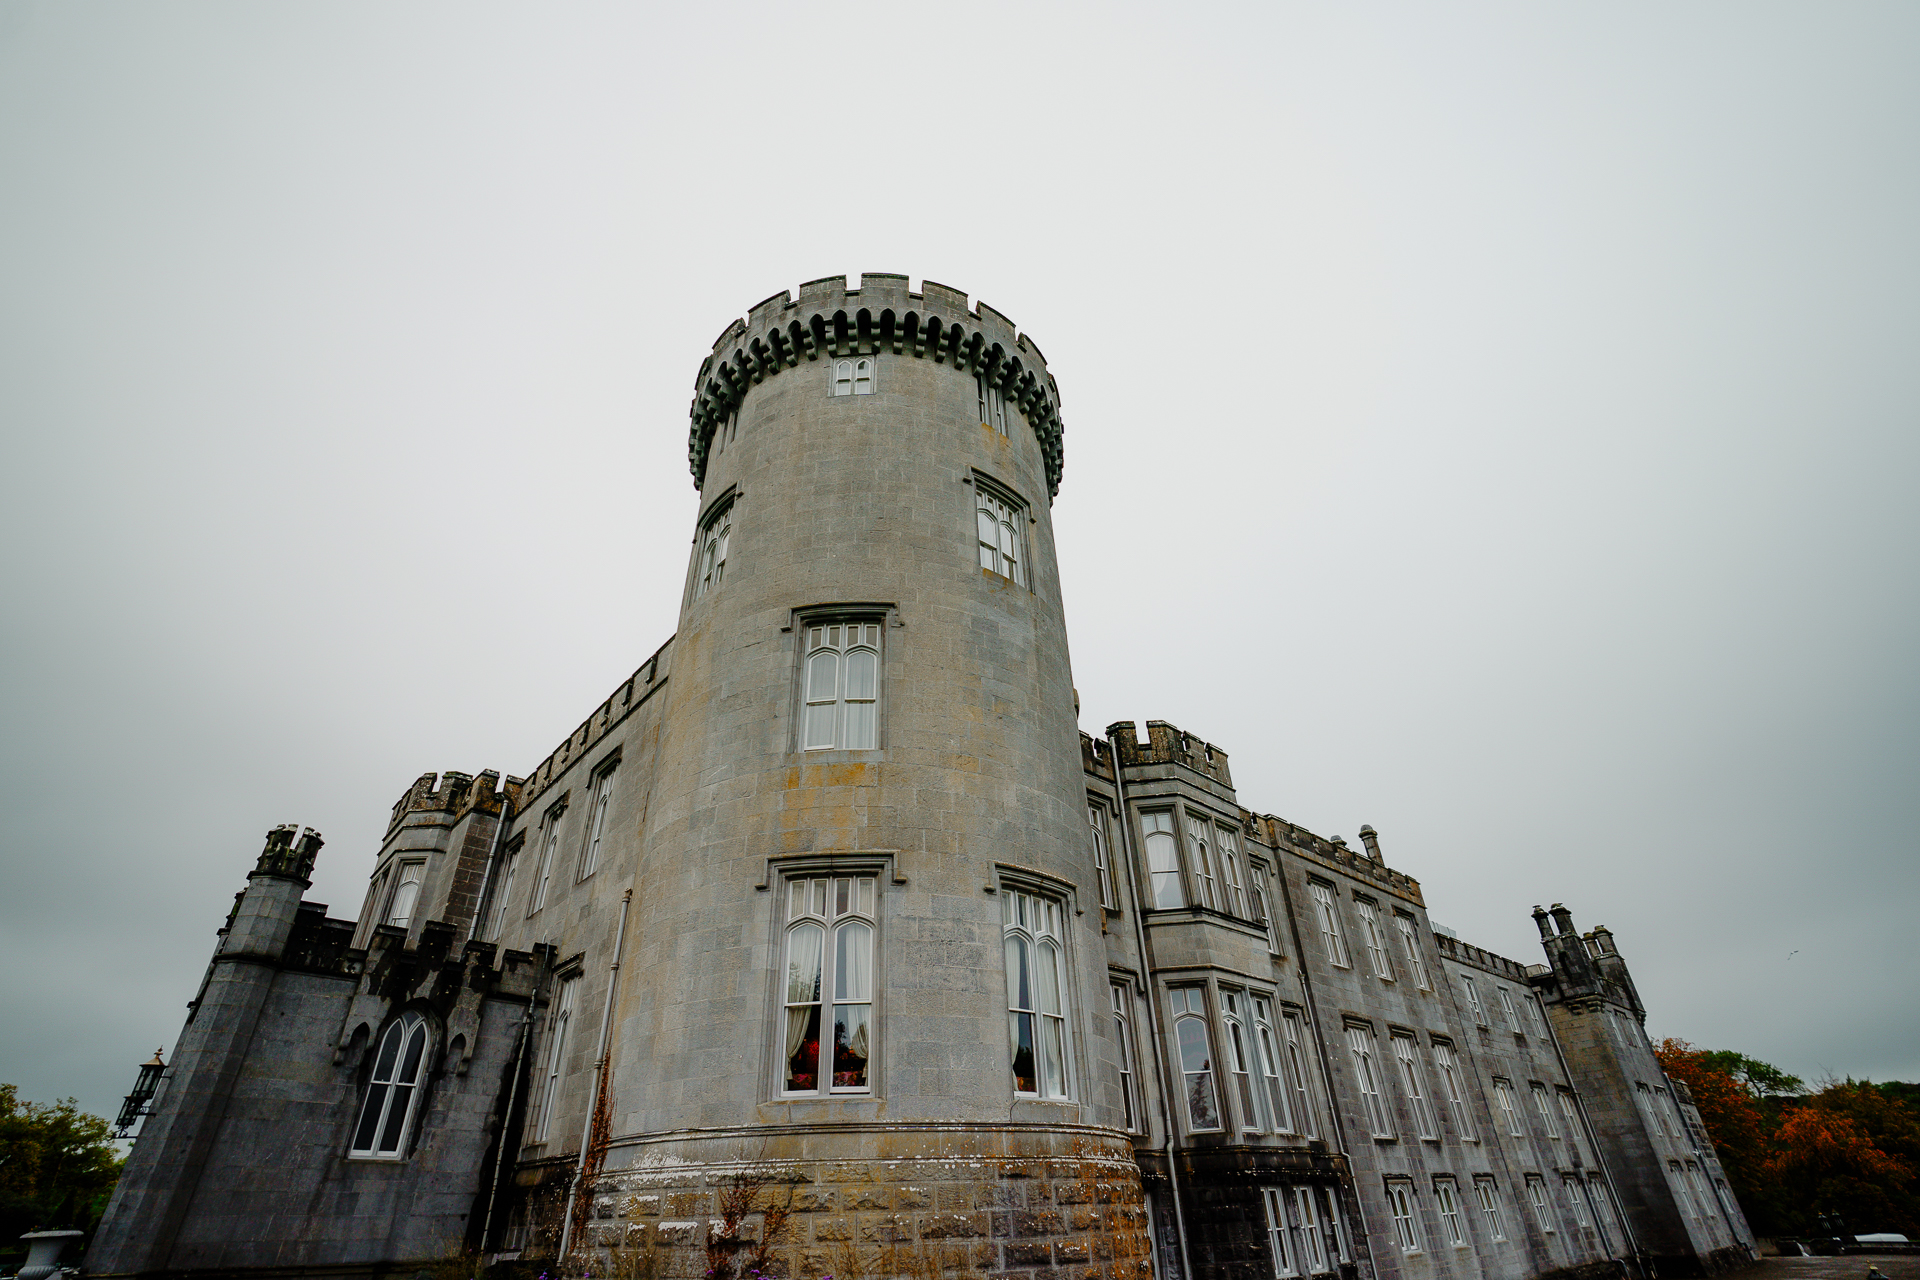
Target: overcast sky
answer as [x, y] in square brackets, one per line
[1496, 423]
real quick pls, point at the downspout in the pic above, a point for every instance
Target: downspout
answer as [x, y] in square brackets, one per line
[1153, 1003]
[513, 1097]
[1361, 1240]
[1599, 1155]
[599, 1073]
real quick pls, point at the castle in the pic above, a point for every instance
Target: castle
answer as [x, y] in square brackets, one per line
[829, 944]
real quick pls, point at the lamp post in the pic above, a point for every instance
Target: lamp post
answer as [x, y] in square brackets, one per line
[136, 1102]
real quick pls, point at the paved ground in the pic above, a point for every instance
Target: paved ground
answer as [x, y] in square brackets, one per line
[1848, 1268]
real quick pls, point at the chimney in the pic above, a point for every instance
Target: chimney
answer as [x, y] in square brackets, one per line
[1371, 838]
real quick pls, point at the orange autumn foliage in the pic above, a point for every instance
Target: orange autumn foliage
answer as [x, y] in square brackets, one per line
[1727, 1107]
[1814, 1142]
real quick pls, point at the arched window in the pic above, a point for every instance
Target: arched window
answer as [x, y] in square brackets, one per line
[829, 965]
[842, 687]
[853, 377]
[1163, 859]
[388, 1110]
[406, 894]
[1036, 1011]
[863, 377]
[713, 552]
[1196, 1057]
[999, 523]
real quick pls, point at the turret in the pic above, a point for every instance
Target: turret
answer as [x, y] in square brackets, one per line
[264, 916]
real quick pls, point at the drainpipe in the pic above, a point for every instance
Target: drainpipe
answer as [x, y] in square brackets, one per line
[513, 1095]
[599, 1074]
[1153, 1003]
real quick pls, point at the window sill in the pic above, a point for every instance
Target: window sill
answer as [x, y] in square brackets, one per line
[367, 1158]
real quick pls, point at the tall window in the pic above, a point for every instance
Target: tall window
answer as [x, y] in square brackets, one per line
[1503, 1094]
[1406, 1228]
[1163, 859]
[1483, 1191]
[829, 966]
[1537, 1196]
[1272, 1079]
[1280, 1232]
[1329, 924]
[597, 824]
[1360, 1044]
[502, 893]
[1036, 1008]
[1123, 1036]
[1196, 1056]
[1667, 1108]
[1544, 1106]
[1337, 1222]
[1410, 1079]
[999, 520]
[1313, 1245]
[1449, 1202]
[1573, 1124]
[549, 842]
[1456, 1095]
[1577, 1203]
[993, 406]
[1680, 1186]
[1256, 885]
[1234, 897]
[842, 687]
[394, 1089]
[1506, 1008]
[1410, 946]
[1296, 1049]
[1200, 845]
[1240, 1061]
[1102, 855]
[406, 894]
[853, 377]
[713, 551]
[1473, 1000]
[1534, 1015]
[1377, 956]
[559, 1025]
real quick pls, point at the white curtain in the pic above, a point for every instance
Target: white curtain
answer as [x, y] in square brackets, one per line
[803, 963]
[853, 962]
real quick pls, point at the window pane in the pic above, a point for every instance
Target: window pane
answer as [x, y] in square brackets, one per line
[803, 963]
[1047, 981]
[819, 730]
[370, 1118]
[803, 1048]
[853, 951]
[1053, 1053]
[396, 1119]
[389, 1052]
[1019, 981]
[862, 720]
[1194, 1055]
[1020, 1027]
[850, 1046]
[823, 670]
[863, 669]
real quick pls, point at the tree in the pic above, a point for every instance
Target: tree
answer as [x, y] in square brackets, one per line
[1826, 1159]
[58, 1165]
[1726, 1102]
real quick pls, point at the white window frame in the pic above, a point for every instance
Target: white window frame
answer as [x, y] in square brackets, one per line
[1406, 1050]
[1279, 1231]
[1193, 1051]
[396, 1082]
[1293, 1031]
[1272, 1073]
[1337, 1220]
[1199, 847]
[1447, 1197]
[1488, 1194]
[503, 890]
[715, 537]
[1033, 934]
[1542, 1212]
[838, 710]
[1503, 1092]
[1377, 957]
[1473, 1000]
[1257, 881]
[1679, 1181]
[1120, 995]
[851, 376]
[1234, 1009]
[400, 900]
[597, 820]
[549, 848]
[1544, 1106]
[830, 928]
[1534, 1015]
[1099, 831]
[1410, 943]
[1572, 1115]
[1313, 1245]
[1507, 1010]
[559, 1028]
[1576, 1201]
[1404, 1208]
[1226, 842]
[1000, 530]
[1322, 895]
[993, 405]
[1163, 859]
[1456, 1091]
[1361, 1046]
[1668, 1109]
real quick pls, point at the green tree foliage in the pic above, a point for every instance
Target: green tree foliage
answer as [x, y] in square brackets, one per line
[57, 1167]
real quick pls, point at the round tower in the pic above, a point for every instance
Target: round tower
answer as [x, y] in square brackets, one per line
[866, 948]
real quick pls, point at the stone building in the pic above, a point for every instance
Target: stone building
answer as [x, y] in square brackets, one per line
[828, 944]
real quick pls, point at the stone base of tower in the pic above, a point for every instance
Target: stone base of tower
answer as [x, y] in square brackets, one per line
[870, 1201]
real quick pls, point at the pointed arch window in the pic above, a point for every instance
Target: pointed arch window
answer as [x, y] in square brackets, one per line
[829, 974]
[1031, 931]
[842, 687]
[1000, 520]
[387, 1112]
[713, 551]
[1195, 1048]
[406, 894]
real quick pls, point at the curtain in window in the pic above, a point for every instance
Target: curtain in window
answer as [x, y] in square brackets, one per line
[804, 945]
[406, 894]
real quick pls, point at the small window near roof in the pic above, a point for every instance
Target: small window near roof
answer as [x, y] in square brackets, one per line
[853, 377]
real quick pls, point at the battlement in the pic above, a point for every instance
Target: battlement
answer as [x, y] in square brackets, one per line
[457, 794]
[1281, 834]
[883, 314]
[1480, 958]
[286, 860]
[637, 689]
[1096, 756]
[1168, 744]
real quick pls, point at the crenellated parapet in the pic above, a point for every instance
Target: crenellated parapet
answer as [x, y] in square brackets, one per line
[1170, 744]
[1480, 958]
[830, 320]
[457, 794]
[639, 686]
[1278, 833]
[284, 858]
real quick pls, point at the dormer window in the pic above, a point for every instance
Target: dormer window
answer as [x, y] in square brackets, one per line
[853, 377]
